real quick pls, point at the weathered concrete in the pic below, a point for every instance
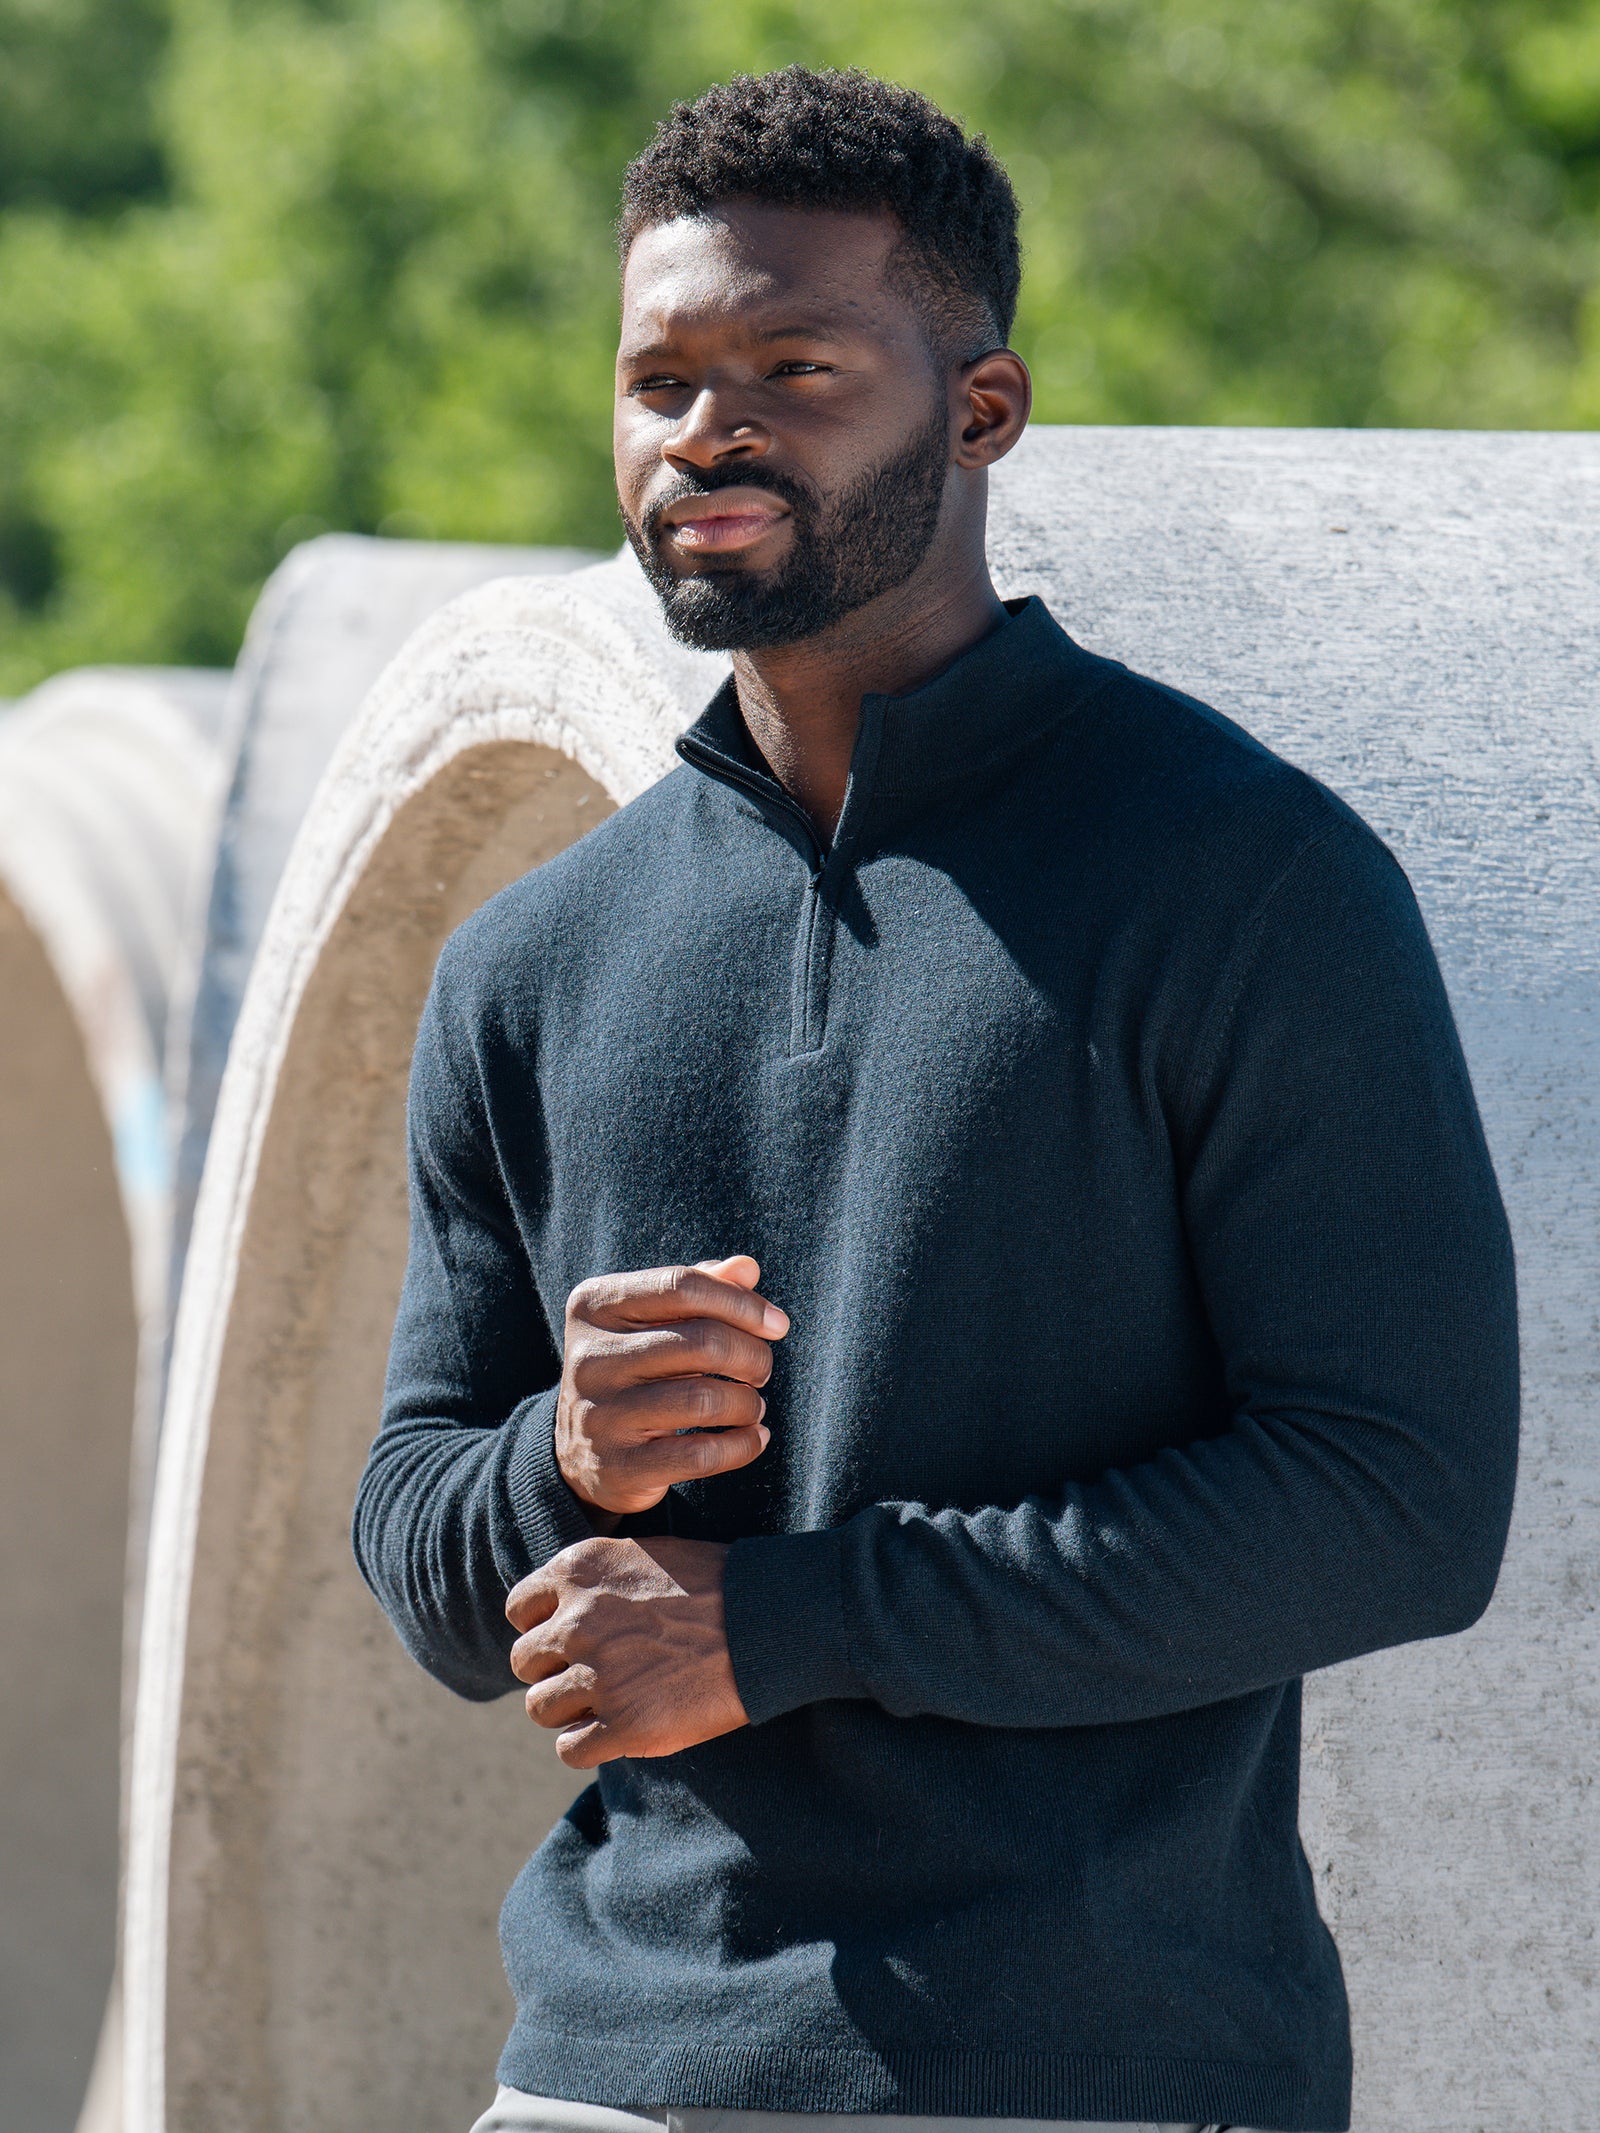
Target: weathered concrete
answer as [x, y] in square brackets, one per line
[105, 781]
[321, 1837]
[328, 622]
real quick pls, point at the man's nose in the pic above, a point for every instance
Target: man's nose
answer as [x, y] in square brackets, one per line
[714, 431]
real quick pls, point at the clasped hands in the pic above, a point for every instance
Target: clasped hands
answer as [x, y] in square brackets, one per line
[622, 1641]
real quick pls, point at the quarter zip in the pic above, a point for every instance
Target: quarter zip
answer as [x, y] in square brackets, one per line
[808, 1003]
[813, 945]
[828, 867]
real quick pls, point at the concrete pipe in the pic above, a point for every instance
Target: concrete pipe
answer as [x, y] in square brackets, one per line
[1412, 617]
[105, 787]
[330, 619]
[321, 1838]
[292, 1960]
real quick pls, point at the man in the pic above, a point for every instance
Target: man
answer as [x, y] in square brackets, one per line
[1076, 1081]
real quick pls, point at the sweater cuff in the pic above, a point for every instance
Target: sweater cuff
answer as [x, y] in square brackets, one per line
[783, 1599]
[548, 1516]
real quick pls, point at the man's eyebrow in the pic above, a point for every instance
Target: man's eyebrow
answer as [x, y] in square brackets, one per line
[828, 327]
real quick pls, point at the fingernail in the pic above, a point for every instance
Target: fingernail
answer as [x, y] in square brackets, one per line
[764, 1434]
[773, 1320]
[763, 1407]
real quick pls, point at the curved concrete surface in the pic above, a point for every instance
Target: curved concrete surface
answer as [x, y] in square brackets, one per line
[328, 622]
[292, 1960]
[321, 1837]
[105, 779]
[1413, 618]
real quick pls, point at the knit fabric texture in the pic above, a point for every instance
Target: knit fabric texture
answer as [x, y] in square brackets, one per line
[1094, 1107]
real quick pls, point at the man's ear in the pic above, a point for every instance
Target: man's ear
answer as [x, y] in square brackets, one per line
[994, 399]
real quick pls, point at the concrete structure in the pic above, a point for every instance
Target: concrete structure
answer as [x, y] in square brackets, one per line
[106, 780]
[321, 1837]
[283, 1951]
[328, 622]
[1414, 618]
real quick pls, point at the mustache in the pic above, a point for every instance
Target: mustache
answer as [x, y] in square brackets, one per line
[788, 488]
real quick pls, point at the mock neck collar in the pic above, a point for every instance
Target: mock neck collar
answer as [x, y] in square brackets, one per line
[1000, 694]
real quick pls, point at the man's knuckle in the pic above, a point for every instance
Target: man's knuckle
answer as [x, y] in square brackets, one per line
[584, 1372]
[714, 1340]
[584, 1297]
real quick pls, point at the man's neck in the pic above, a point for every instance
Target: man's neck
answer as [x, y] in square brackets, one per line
[802, 702]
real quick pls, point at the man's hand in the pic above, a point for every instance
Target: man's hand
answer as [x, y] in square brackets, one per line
[649, 1357]
[624, 1645]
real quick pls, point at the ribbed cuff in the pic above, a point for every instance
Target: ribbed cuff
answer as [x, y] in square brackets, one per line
[549, 1517]
[783, 1594]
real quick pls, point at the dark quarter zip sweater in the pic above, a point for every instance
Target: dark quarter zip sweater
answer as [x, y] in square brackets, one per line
[1094, 1108]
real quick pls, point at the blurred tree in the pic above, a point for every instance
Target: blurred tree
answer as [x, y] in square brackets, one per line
[77, 117]
[273, 265]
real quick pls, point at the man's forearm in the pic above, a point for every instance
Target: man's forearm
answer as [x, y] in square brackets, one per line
[1291, 1543]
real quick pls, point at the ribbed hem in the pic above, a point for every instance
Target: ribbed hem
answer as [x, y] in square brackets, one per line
[783, 1595]
[549, 1517]
[631, 2076]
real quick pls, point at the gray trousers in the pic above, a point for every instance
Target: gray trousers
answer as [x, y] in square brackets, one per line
[514, 2111]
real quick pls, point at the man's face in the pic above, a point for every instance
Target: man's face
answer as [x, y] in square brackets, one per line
[782, 429]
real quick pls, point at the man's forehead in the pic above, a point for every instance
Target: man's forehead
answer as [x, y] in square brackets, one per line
[759, 266]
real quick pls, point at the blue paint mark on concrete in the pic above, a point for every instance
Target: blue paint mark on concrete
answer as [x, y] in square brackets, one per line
[144, 1161]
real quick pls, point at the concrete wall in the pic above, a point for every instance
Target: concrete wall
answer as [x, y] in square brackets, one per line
[321, 1837]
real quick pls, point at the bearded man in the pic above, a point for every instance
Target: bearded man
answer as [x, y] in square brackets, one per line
[953, 1260]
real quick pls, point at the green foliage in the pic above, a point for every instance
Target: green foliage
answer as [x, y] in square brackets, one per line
[273, 265]
[77, 118]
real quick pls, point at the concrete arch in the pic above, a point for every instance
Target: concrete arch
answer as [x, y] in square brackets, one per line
[327, 623]
[291, 1958]
[105, 785]
[329, 620]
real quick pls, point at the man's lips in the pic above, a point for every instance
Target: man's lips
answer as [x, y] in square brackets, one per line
[732, 518]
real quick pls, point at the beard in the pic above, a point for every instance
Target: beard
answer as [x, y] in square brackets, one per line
[846, 549]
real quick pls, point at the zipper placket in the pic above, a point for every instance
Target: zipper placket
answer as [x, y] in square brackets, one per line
[808, 1006]
[808, 1013]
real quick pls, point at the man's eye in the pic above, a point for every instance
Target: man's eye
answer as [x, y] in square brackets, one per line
[798, 368]
[662, 382]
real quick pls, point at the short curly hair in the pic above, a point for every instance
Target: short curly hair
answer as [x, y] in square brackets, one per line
[845, 140]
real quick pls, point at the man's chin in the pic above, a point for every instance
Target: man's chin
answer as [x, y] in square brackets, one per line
[730, 610]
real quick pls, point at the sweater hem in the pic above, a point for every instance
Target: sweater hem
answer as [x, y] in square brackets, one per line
[626, 2074]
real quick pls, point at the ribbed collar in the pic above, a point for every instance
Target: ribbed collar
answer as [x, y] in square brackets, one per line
[1000, 695]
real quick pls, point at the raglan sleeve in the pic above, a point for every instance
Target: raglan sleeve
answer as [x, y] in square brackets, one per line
[1348, 1238]
[461, 1495]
